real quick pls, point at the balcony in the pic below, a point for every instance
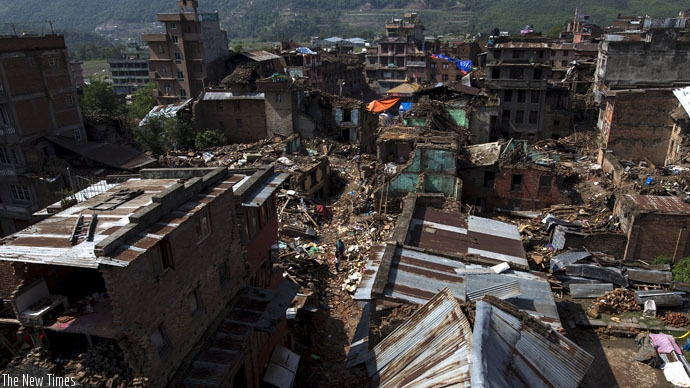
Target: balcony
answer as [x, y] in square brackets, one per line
[516, 84]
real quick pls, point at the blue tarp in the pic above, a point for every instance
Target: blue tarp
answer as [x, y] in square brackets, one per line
[405, 106]
[304, 50]
[465, 65]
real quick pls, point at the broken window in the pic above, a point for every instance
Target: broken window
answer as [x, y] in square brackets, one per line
[160, 340]
[347, 115]
[516, 182]
[203, 225]
[489, 177]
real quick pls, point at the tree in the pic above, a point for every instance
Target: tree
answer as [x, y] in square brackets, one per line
[142, 101]
[209, 138]
[99, 97]
[159, 134]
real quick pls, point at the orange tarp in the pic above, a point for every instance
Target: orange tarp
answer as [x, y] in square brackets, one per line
[382, 105]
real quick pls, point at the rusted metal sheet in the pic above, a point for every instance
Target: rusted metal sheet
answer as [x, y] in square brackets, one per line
[509, 350]
[562, 260]
[428, 350]
[649, 276]
[459, 236]
[659, 203]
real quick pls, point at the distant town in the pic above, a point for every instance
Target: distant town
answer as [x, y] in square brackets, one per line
[505, 209]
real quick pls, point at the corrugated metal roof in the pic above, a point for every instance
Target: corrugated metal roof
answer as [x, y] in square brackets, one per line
[457, 235]
[259, 196]
[169, 110]
[417, 276]
[222, 96]
[48, 241]
[429, 349]
[659, 203]
[112, 155]
[683, 96]
[564, 259]
[260, 55]
[520, 45]
[509, 350]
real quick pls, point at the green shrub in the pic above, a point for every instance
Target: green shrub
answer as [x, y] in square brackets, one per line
[681, 270]
[209, 138]
[661, 260]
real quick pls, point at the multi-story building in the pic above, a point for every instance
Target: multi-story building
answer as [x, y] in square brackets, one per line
[130, 70]
[37, 98]
[149, 266]
[399, 56]
[190, 54]
[518, 72]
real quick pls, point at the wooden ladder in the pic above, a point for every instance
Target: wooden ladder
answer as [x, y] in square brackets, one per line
[83, 229]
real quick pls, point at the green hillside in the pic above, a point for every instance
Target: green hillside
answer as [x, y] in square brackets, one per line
[272, 20]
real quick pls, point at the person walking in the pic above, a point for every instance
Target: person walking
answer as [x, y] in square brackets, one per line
[339, 253]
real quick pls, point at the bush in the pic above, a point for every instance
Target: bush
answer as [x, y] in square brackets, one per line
[661, 260]
[209, 138]
[681, 270]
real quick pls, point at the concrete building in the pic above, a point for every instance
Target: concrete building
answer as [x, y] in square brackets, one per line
[158, 259]
[189, 55]
[130, 70]
[654, 226]
[398, 56]
[37, 98]
[518, 72]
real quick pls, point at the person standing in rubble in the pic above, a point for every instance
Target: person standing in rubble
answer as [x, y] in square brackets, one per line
[339, 252]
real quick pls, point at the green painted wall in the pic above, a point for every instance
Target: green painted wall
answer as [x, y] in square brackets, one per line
[439, 169]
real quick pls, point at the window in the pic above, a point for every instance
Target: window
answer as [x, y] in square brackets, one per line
[507, 95]
[489, 177]
[537, 74]
[534, 97]
[161, 49]
[237, 106]
[517, 54]
[183, 93]
[444, 66]
[180, 75]
[444, 77]
[221, 124]
[77, 134]
[198, 68]
[433, 65]
[533, 114]
[194, 300]
[252, 221]
[178, 57]
[278, 97]
[545, 183]
[161, 258]
[203, 225]
[160, 340]
[564, 63]
[347, 115]
[172, 26]
[238, 123]
[516, 73]
[219, 106]
[556, 123]
[164, 69]
[175, 39]
[8, 157]
[496, 74]
[167, 89]
[70, 100]
[194, 48]
[519, 116]
[522, 94]
[516, 183]
[20, 192]
[497, 54]
[53, 61]
[565, 53]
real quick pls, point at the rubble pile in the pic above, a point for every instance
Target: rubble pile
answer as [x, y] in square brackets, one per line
[100, 366]
[675, 319]
[618, 301]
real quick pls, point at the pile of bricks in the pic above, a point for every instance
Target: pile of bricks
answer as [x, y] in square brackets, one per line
[675, 319]
[618, 301]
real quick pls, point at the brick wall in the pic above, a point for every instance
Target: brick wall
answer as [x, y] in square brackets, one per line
[9, 280]
[252, 113]
[141, 303]
[652, 235]
[640, 125]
